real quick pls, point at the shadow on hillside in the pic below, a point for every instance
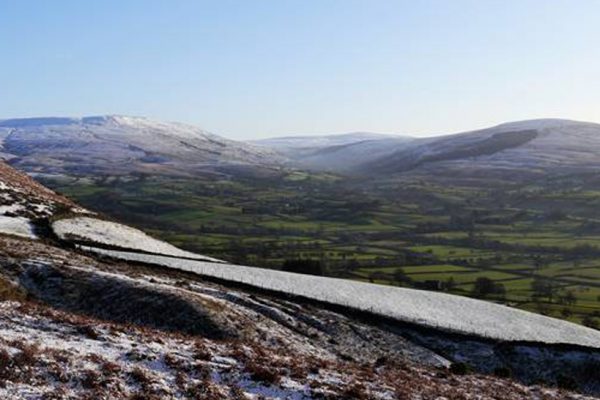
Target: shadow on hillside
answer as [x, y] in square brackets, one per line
[119, 300]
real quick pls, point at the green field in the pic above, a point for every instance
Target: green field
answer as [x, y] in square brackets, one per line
[538, 243]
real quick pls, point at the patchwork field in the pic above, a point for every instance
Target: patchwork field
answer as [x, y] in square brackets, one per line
[533, 246]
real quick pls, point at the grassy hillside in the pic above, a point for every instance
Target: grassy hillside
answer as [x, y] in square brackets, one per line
[534, 246]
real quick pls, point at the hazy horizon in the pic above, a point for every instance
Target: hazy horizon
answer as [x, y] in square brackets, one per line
[249, 70]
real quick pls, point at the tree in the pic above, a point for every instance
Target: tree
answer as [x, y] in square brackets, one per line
[303, 266]
[401, 277]
[590, 322]
[543, 287]
[569, 298]
[377, 276]
[485, 286]
[539, 263]
[449, 284]
[566, 312]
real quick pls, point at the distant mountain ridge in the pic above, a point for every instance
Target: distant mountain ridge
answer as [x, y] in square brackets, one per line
[531, 146]
[121, 145]
[547, 145]
[333, 152]
[312, 141]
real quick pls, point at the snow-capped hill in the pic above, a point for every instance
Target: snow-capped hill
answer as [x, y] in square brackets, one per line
[339, 152]
[542, 123]
[121, 145]
[147, 126]
[547, 145]
[321, 141]
[119, 120]
[40, 121]
[346, 157]
[544, 144]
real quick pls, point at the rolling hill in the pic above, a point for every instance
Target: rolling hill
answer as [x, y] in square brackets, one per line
[287, 143]
[536, 147]
[527, 148]
[120, 145]
[336, 153]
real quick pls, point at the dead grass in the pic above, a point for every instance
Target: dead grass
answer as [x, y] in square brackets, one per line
[10, 291]
[263, 372]
[119, 300]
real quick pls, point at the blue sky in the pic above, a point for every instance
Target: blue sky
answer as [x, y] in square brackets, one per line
[260, 68]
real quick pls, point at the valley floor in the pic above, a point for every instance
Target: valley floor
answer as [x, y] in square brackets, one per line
[533, 242]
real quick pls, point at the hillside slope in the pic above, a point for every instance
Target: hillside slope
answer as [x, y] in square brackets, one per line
[286, 143]
[114, 145]
[528, 148]
[25, 203]
[334, 152]
[154, 323]
[522, 148]
[119, 145]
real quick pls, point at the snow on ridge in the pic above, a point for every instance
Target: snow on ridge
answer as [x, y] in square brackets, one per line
[429, 309]
[145, 124]
[111, 121]
[118, 235]
[543, 123]
[36, 121]
[17, 226]
[21, 202]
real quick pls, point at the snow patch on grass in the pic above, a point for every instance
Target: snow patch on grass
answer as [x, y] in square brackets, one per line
[114, 234]
[429, 309]
[17, 226]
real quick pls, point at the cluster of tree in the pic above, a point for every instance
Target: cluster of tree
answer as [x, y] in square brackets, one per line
[567, 298]
[485, 287]
[398, 276]
[590, 322]
[476, 241]
[544, 288]
[548, 289]
[304, 266]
